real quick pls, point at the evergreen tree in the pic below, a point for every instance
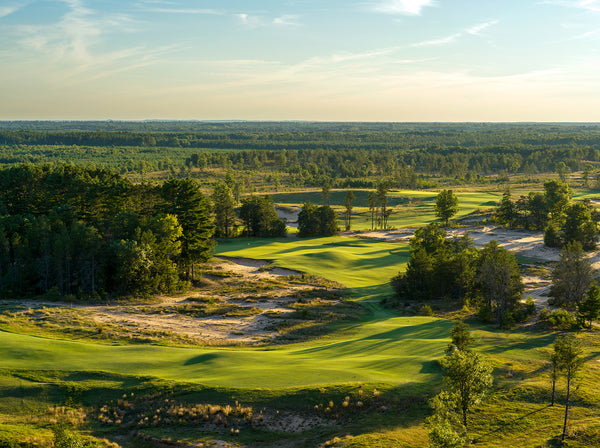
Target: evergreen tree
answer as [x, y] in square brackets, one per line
[589, 309]
[500, 281]
[579, 226]
[505, 213]
[571, 278]
[185, 200]
[223, 202]
[446, 205]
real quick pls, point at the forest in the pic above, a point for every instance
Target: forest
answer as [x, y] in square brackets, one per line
[309, 154]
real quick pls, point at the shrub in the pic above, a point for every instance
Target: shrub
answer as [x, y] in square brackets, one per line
[485, 314]
[562, 320]
[53, 294]
[425, 310]
[524, 310]
[552, 237]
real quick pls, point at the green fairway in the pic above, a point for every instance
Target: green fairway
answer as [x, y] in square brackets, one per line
[411, 208]
[381, 348]
[395, 350]
[356, 263]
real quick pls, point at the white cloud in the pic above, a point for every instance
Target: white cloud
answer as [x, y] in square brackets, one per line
[252, 21]
[406, 7]
[441, 41]
[589, 5]
[477, 29]
[286, 20]
[9, 9]
[592, 5]
[184, 11]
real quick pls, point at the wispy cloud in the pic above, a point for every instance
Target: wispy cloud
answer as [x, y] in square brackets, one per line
[440, 41]
[343, 57]
[72, 45]
[287, 20]
[478, 29]
[7, 10]
[589, 5]
[405, 7]
[184, 11]
[475, 30]
[254, 21]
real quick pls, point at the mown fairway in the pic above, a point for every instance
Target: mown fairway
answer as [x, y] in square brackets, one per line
[412, 208]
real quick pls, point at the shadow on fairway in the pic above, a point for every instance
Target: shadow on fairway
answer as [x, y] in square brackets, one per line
[416, 336]
[201, 359]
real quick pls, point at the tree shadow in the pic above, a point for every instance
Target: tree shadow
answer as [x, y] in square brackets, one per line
[201, 359]
[504, 425]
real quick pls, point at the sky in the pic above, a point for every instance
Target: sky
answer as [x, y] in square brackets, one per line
[322, 60]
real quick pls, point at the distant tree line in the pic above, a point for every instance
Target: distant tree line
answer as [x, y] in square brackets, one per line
[352, 155]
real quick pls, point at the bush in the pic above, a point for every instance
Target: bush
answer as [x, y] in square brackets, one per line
[53, 294]
[562, 320]
[524, 310]
[552, 237]
[485, 314]
[5, 443]
[425, 310]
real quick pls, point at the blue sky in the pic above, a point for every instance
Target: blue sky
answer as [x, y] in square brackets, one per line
[364, 60]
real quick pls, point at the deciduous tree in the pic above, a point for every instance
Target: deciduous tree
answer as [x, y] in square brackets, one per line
[569, 360]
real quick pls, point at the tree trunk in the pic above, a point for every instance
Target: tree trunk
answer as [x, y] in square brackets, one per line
[553, 385]
[566, 407]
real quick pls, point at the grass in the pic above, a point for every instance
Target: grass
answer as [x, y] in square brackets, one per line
[360, 264]
[412, 208]
[397, 354]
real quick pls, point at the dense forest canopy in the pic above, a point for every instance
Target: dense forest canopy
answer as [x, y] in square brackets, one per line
[306, 152]
[66, 230]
